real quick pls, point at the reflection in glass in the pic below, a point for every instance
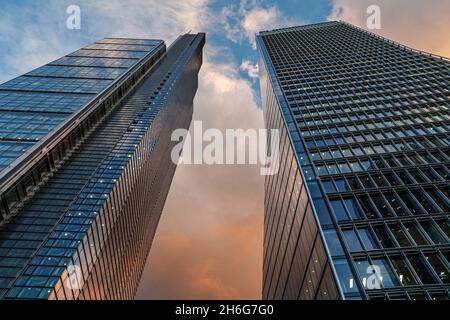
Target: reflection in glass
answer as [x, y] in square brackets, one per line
[404, 274]
[421, 269]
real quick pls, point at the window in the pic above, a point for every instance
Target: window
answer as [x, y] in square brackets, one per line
[367, 206]
[404, 176]
[403, 271]
[353, 208]
[345, 275]
[383, 237]
[439, 268]
[339, 210]
[420, 196]
[433, 232]
[416, 234]
[438, 198]
[352, 240]
[379, 180]
[400, 235]
[367, 239]
[388, 279]
[390, 177]
[367, 182]
[421, 269]
[412, 205]
[341, 185]
[445, 226]
[329, 186]
[395, 204]
[381, 205]
[334, 245]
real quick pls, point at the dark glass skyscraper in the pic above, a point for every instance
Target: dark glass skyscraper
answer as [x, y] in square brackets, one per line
[85, 165]
[360, 207]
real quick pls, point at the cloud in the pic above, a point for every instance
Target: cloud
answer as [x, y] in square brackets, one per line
[209, 242]
[36, 33]
[243, 22]
[250, 68]
[215, 212]
[419, 24]
[24, 45]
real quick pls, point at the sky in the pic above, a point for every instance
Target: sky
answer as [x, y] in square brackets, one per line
[209, 241]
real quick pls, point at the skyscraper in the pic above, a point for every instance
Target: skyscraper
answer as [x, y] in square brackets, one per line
[85, 161]
[360, 207]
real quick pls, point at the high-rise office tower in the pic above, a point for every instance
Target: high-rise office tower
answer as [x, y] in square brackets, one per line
[85, 161]
[360, 206]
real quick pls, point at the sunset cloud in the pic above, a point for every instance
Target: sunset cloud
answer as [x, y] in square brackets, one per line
[422, 25]
[209, 242]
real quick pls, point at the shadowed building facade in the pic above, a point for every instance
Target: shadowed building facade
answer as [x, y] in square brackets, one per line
[85, 165]
[360, 207]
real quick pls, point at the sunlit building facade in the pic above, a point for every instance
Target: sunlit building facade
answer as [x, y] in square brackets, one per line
[360, 207]
[85, 165]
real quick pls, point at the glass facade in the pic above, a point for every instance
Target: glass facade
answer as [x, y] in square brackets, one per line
[81, 203]
[365, 124]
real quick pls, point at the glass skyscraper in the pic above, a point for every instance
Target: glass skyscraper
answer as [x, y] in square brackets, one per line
[360, 206]
[85, 165]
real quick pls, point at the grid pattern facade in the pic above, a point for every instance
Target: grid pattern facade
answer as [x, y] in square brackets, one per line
[99, 207]
[32, 105]
[369, 121]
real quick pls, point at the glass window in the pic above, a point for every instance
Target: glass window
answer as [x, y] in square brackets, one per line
[391, 178]
[367, 182]
[404, 177]
[438, 198]
[403, 271]
[341, 185]
[439, 296]
[438, 267]
[364, 271]
[392, 199]
[420, 196]
[383, 237]
[353, 183]
[329, 186]
[379, 180]
[344, 167]
[332, 169]
[352, 240]
[367, 239]
[416, 234]
[445, 226]
[433, 177]
[333, 243]
[412, 205]
[418, 296]
[388, 279]
[418, 176]
[421, 269]
[339, 210]
[345, 275]
[353, 208]
[381, 205]
[433, 232]
[367, 206]
[400, 235]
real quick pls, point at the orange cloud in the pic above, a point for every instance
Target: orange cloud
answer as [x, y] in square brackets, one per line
[419, 24]
[209, 241]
